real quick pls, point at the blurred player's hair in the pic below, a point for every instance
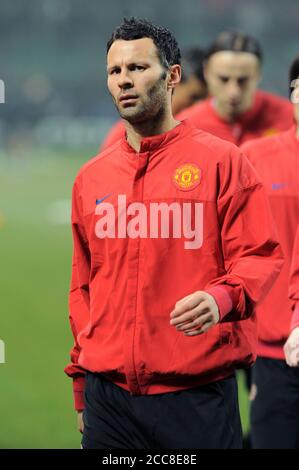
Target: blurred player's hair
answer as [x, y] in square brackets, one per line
[294, 72]
[166, 44]
[236, 42]
[192, 63]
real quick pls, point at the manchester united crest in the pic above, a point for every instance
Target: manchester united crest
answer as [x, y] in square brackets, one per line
[270, 131]
[186, 177]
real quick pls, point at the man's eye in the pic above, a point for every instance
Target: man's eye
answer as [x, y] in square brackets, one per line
[242, 81]
[224, 79]
[137, 67]
[114, 71]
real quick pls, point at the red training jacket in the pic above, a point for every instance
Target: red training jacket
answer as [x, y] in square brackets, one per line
[186, 213]
[294, 283]
[276, 160]
[269, 115]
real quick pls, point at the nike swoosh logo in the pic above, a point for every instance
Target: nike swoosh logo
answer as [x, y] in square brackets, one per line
[279, 185]
[98, 201]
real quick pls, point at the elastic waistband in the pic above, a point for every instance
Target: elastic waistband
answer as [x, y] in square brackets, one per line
[158, 385]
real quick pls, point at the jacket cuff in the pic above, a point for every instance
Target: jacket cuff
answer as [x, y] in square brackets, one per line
[295, 317]
[78, 393]
[223, 297]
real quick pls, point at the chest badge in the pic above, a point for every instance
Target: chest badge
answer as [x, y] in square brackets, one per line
[186, 177]
[269, 132]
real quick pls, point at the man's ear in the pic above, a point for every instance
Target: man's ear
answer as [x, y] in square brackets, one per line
[174, 76]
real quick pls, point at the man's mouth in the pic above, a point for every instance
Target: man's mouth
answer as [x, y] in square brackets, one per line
[128, 99]
[233, 104]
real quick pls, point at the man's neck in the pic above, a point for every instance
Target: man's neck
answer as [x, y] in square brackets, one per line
[136, 132]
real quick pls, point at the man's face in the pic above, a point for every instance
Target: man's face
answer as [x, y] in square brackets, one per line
[187, 93]
[296, 112]
[136, 79]
[232, 79]
[295, 99]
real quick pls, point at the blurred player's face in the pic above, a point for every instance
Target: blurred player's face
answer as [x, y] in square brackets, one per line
[187, 93]
[232, 79]
[295, 101]
[136, 80]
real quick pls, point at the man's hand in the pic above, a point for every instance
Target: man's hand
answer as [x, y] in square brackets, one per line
[195, 314]
[291, 348]
[80, 423]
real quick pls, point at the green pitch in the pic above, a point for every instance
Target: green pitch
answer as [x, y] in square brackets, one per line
[36, 405]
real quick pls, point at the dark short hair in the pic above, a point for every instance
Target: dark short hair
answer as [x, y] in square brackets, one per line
[192, 63]
[165, 42]
[294, 72]
[235, 42]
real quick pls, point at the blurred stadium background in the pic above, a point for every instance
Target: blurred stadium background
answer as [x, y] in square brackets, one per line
[55, 115]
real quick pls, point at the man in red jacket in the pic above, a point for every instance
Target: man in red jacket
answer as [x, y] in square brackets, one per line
[274, 410]
[291, 348]
[191, 88]
[236, 110]
[173, 248]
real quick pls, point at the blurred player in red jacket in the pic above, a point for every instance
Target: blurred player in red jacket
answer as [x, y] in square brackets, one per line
[191, 89]
[274, 410]
[291, 348]
[174, 245]
[236, 110]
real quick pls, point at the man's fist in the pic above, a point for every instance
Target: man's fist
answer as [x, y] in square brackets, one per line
[80, 423]
[195, 314]
[291, 348]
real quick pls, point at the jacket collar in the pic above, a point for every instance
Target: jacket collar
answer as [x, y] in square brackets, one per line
[152, 143]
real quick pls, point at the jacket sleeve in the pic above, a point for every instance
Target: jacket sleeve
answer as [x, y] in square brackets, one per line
[251, 253]
[78, 296]
[294, 283]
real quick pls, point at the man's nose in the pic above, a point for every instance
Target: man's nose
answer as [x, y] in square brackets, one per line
[125, 80]
[234, 89]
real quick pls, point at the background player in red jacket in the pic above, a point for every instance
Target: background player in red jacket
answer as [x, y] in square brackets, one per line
[236, 110]
[191, 88]
[291, 348]
[174, 246]
[274, 410]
